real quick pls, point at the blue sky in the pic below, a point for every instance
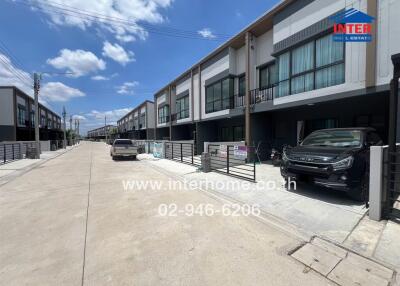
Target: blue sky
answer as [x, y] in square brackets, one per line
[115, 67]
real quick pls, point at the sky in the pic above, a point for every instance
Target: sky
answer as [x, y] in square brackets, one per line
[104, 57]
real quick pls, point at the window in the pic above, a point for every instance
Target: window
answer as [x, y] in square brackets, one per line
[242, 85]
[21, 115]
[316, 64]
[32, 118]
[163, 114]
[142, 120]
[182, 107]
[267, 76]
[219, 95]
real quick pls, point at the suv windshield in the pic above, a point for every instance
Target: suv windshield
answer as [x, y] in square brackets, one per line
[334, 138]
[123, 142]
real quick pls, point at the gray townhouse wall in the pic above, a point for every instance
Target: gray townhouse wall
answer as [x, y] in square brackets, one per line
[139, 123]
[357, 95]
[17, 117]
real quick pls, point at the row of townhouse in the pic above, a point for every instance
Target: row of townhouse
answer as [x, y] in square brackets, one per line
[17, 117]
[138, 123]
[102, 132]
[283, 77]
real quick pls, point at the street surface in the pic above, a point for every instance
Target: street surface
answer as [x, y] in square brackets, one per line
[70, 222]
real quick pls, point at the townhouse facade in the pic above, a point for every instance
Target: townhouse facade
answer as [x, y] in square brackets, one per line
[17, 120]
[102, 132]
[283, 77]
[138, 123]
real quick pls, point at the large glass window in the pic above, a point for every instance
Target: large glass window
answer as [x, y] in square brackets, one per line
[219, 95]
[32, 118]
[182, 107]
[21, 115]
[316, 64]
[283, 74]
[142, 120]
[268, 76]
[163, 114]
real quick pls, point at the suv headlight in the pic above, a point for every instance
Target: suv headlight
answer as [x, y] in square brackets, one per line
[343, 164]
[284, 157]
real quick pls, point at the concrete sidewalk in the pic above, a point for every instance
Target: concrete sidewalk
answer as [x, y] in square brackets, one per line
[16, 168]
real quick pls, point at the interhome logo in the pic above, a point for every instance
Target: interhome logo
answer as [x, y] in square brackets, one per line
[352, 26]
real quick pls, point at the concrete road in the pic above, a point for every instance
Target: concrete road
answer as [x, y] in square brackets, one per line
[70, 222]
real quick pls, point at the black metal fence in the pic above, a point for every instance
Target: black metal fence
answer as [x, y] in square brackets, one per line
[393, 185]
[182, 152]
[236, 161]
[13, 151]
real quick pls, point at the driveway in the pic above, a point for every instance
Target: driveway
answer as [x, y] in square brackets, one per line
[312, 210]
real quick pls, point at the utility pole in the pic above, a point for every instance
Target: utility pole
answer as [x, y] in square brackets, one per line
[70, 130]
[36, 87]
[64, 114]
[105, 126]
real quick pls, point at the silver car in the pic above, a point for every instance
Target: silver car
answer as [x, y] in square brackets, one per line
[123, 148]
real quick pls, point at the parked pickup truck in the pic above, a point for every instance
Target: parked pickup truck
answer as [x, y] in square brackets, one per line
[333, 158]
[123, 148]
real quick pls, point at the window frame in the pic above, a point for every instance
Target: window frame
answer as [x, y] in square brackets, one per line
[314, 68]
[21, 115]
[267, 67]
[163, 114]
[217, 103]
[182, 113]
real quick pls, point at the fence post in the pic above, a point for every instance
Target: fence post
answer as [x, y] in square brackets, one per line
[192, 153]
[227, 158]
[172, 151]
[375, 183]
[254, 163]
[13, 152]
[4, 146]
[181, 152]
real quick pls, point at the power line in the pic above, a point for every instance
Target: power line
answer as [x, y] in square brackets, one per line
[90, 13]
[118, 22]
[16, 70]
[10, 67]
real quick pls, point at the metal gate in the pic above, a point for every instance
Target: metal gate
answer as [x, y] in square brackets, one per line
[182, 152]
[235, 161]
[393, 185]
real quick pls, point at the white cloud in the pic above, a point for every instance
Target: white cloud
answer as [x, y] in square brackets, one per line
[79, 117]
[117, 53]
[206, 33]
[59, 92]
[127, 87]
[11, 75]
[78, 62]
[133, 11]
[99, 77]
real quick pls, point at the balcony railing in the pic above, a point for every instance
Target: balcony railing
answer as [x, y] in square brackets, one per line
[260, 95]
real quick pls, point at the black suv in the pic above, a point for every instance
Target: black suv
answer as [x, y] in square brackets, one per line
[333, 158]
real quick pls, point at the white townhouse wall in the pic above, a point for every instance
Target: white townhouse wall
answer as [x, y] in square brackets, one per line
[355, 53]
[207, 73]
[160, 100]
[196, 97]
[388, 34]
[184, 87]
[263, 49]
